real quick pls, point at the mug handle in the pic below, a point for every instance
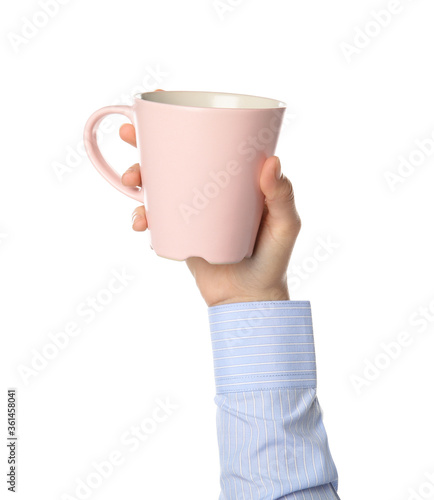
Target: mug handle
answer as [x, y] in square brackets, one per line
[95, 155]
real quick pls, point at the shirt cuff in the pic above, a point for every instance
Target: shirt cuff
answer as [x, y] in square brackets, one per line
[262, 345]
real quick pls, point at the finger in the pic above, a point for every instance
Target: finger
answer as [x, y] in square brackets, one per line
[127, 133]
[281, 214]
[140, 222]
[131, 177]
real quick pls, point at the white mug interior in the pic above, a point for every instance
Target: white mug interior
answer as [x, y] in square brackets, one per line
[211, 99]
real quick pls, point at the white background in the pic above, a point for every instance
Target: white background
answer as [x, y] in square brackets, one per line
[63, 235]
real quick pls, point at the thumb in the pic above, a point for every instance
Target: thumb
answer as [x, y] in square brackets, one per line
[282, 215]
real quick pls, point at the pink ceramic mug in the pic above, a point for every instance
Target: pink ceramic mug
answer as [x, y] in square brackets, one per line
[201, 154]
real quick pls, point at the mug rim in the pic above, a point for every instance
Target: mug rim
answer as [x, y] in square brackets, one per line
[278, 104]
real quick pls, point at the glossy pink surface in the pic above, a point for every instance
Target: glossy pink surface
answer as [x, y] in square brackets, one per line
[200, 169]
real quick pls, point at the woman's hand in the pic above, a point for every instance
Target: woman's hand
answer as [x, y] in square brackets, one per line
[260, 277]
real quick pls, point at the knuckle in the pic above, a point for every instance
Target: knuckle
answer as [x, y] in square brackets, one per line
[288, 190]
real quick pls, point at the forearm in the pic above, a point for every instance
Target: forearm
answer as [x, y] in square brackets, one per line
[271, 436]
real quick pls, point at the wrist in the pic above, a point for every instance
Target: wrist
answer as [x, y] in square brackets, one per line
[269, 295]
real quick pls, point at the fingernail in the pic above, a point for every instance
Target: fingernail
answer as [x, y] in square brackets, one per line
[278, 170]
[136, 217]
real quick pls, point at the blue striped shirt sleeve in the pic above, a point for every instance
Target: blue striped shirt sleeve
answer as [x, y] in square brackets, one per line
[271, 436]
